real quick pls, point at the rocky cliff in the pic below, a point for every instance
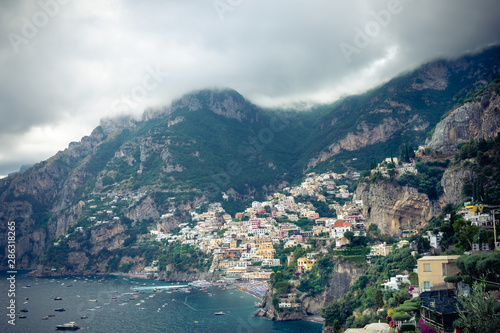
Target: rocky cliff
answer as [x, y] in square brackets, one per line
[406, 108]
[344, 274]
[171, 274]
[340, 279]
[394, 208]
[452, 183]
[215, 141]
[477, 119]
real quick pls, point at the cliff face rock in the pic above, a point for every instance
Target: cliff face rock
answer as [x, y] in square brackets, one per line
[41, 199]
[479, 119]
[171, 275]
[342, 277]
[227, 103]
[106, 237]
[394, 208]
[365, 135]
[452, 183]
[433, 76]
[404, 108]
[144, 210]
[271, 313]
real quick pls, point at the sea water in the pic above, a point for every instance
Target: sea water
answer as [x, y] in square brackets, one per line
[111, 305]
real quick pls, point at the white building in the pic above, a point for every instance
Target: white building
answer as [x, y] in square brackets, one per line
[394, 282]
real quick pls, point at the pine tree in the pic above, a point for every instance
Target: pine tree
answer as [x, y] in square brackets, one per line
[478, 312]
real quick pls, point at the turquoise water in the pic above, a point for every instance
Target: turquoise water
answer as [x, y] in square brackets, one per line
[119, 309]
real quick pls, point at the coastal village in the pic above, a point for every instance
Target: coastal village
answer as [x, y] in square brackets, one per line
[244, 246]
[247, 248]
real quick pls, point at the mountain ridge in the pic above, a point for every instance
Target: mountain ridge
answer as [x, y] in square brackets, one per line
[212, 142]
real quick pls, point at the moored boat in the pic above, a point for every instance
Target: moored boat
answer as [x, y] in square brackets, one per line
[219, 313]
[71, 326]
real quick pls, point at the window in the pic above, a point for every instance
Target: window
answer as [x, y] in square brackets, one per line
[427, 267]
[427, 285]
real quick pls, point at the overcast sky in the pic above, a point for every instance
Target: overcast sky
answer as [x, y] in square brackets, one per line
[65, 64]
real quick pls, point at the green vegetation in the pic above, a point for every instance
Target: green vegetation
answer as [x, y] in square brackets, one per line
[57, 256]
[317, 279]
[477, 95]
[484, 185]
[183, 258]
[480, 312]
[459, 234]
[483, 266]
[364, 293]
[428, 179]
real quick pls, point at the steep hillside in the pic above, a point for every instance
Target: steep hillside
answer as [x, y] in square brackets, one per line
[394, 208]
[204, 144]
[458, 163]
[477, 118]
[403, 110]
[129, 175]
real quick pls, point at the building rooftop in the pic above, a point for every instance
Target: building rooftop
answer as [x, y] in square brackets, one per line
[439, 258]
[441, 301]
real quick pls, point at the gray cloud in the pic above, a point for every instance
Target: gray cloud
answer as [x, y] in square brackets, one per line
[83, 59]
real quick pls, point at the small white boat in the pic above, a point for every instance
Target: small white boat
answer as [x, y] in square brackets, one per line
[71, 326]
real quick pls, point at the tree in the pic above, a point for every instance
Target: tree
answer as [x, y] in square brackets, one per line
[478, 312]
[401, 316]
[423, 244]
[481, 265]
[349, 235]
[413, 277]
[464, 232]
[379, 299]
[336, 326]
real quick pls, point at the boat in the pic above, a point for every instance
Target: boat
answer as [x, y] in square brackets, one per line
[83, 317]
[71, 326]
[24, 310]
[60, 310]
[45, 317]
[22, 316]
[57, 298]
[92, 300]
[51, 315]
[219, 313]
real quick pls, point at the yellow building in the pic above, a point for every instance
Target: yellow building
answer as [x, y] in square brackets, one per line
[233, 244]
[264, 245]
[433, 270]
[381, 250]
[305, 264]
[266, 253]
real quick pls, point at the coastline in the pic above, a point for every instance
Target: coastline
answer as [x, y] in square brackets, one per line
[314, 319]
[255, 289]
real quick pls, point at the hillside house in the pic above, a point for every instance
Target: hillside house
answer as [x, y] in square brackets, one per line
[432, 271]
